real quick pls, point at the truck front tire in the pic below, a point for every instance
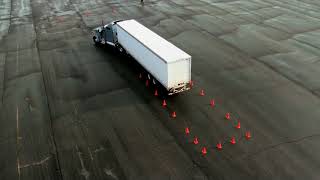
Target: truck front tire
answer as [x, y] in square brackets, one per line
[95, 40]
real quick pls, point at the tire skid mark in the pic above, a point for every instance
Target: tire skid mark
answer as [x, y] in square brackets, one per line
[18, 142]
[84, 172]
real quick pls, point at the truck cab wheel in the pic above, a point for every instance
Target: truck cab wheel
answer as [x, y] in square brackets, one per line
[95, 40]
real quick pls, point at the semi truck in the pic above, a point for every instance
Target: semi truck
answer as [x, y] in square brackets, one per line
[165, 63]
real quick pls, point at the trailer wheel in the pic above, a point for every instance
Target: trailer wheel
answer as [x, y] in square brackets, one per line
[121, 49]
[162, 91]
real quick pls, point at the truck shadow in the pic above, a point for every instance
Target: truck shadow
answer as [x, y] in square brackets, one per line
[130, 70]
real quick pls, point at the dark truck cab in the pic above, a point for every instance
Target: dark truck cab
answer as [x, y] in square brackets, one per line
[106, 34]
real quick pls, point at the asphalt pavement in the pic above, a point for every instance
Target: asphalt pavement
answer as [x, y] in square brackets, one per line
[72, 110]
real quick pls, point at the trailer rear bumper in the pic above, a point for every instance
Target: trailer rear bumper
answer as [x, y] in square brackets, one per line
[178, 89]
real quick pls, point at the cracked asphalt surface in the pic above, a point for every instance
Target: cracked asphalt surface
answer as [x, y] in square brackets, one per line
[70, 110]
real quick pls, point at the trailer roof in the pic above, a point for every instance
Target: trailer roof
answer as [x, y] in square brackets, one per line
[163, 48]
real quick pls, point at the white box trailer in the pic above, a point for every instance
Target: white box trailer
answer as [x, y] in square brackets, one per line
[168, 64]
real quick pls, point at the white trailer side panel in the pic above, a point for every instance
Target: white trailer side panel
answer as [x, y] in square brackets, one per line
[151, 62]
[163, 48]
[167, 63]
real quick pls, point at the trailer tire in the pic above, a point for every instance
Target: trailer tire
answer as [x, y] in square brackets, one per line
[121, 50]
[162, 91]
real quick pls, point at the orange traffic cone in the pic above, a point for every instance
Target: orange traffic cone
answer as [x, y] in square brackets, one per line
[219, 146]
[233, 140]
[248, 135]
[187, 131]
[204, 151]
[212, 103]
[155, 93]
[195, 141]
[238, 125]
[227, 116]
[202, 92]
[174, 115]
[164, 104]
